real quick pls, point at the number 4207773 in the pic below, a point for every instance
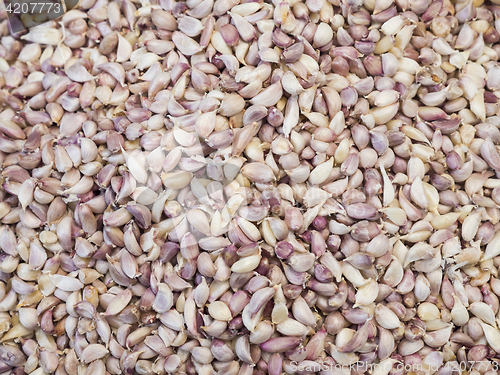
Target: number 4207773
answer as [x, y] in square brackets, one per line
[33, 8]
